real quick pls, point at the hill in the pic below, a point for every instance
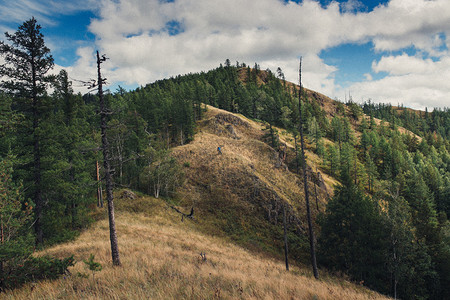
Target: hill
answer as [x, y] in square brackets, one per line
[379, 192]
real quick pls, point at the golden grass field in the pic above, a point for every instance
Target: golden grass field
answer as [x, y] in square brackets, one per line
[161, 260]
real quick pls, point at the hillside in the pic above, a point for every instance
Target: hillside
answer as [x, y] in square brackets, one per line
[379, 192]
[242, 192]
[330, 107]
[161, 259]
[237, 198]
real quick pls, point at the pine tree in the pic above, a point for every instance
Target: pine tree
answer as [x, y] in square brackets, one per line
[332, 159]
[353, 236]
[315, 132]
[68, 163]
[27, 62]
[15, 242]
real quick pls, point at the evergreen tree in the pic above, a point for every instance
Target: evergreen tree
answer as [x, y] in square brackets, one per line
[9, 121]
[15, 241]
[406, 260]
[67, 162]
[372, 173]
[315, 132]
[27, 62]
[333, 159]
[353, 236]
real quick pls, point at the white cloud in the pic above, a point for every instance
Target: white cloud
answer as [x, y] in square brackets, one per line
[368, 76]
[352, 6]
[136, 35]
[413, 81]
[83, 70]
[43, 10]
[404, 23]
[404, 64]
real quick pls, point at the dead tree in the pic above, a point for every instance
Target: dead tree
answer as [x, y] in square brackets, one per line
[107, 166]
[305, 179]
[315, 189]
[285, 238]
[99, 186]
[183, 215]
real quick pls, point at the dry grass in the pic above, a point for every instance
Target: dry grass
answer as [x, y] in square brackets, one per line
[161, 260]
[240, 194]
[244, 156]
[161, 255]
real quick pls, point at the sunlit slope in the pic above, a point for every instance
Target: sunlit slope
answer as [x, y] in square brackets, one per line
[241, 192]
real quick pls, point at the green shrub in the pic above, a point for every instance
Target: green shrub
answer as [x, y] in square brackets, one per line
[18, 272]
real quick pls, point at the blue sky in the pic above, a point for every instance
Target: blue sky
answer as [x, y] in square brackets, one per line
[387, 51]
[69, 33]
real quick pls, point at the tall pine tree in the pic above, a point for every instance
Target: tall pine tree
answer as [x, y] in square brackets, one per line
[27, 62]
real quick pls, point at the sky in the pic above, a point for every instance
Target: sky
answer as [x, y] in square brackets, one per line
[393, 51]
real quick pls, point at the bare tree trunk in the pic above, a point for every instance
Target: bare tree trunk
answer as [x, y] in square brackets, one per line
[108, 177]
[285, 238]
[37, 183]
[99, 187]
[73, 201]
[315, 194]
[395, 287]
[296, 153]
[181, 136]
[37, 160]
[305, 182]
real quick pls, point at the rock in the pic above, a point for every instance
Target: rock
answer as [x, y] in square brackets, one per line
[127, 194]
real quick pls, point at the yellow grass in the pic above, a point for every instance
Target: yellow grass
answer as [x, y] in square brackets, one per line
[161, 255]
[244, 158]
[161, 260]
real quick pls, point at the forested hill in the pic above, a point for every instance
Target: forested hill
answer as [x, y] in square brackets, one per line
[379, 178]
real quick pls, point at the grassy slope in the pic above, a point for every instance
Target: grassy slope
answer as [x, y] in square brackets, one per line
[161, 260]
[237, 198]
[241, 193]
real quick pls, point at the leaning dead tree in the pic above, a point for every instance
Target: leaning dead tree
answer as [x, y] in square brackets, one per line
[107, 165]
[183, 215]
[305, 179]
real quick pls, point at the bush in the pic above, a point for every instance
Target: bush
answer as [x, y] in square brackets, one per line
[17, 273]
